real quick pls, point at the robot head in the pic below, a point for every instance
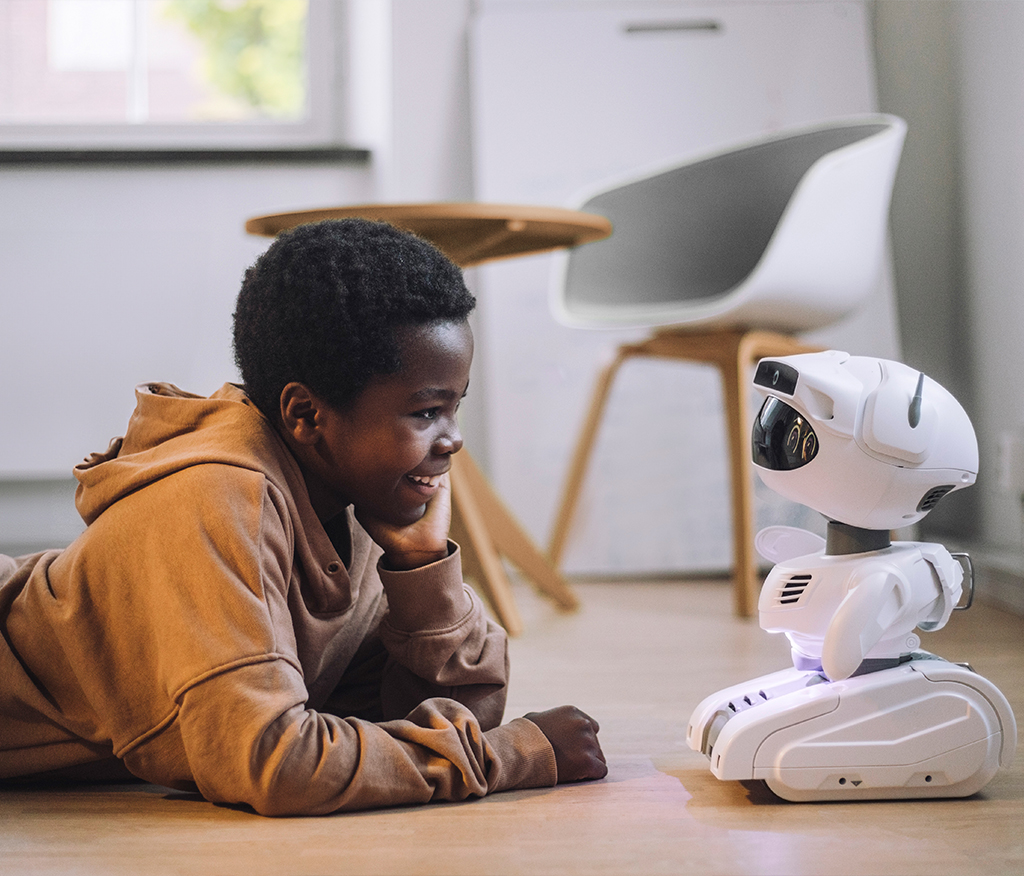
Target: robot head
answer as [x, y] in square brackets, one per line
[863, 441]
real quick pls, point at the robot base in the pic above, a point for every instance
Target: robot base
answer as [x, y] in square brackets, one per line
[926, 728]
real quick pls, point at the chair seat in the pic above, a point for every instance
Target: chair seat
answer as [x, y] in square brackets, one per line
[787, 232]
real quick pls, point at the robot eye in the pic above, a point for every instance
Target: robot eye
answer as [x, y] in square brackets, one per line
[782, 439]
[809, 447]
[794, 438]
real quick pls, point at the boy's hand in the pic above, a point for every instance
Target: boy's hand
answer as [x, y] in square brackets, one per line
[419, 543]
[573, 736]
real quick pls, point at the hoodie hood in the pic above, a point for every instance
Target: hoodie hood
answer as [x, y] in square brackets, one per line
[171, 430]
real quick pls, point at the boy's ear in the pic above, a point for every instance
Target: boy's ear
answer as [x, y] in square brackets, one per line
[301, 413]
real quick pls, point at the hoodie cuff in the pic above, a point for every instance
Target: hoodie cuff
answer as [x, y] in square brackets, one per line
[429, 598]
[526, 758]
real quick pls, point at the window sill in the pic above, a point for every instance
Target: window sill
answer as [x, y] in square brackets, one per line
[121, 157]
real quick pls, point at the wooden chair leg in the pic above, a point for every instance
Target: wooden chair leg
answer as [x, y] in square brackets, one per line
[726, 349]
[753, 346]
[581, 455]
[746, 584]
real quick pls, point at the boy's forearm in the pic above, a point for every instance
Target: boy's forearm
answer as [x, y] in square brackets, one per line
[441, 643]
[285, 760]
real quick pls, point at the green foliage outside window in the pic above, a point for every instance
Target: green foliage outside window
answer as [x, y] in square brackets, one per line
[254, 49]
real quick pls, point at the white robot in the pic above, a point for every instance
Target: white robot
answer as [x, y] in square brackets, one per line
[863, 713]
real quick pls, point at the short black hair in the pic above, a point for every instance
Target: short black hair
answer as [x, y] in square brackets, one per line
[323, 304]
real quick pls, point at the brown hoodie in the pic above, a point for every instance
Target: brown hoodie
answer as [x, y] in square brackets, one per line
[211, 633]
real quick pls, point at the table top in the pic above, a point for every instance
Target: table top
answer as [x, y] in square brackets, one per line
[468, 233]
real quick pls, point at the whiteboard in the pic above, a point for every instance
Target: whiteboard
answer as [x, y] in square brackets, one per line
[564, 97]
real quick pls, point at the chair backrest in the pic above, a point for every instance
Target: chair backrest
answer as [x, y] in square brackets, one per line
[787, 232]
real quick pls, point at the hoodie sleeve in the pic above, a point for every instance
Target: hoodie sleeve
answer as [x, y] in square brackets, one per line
[248, 738]
[441, 643]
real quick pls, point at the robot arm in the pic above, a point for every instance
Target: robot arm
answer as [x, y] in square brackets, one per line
[862, 619]
[777, 544]
[950, 575]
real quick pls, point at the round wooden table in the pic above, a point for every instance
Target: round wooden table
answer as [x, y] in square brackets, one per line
[470, 234]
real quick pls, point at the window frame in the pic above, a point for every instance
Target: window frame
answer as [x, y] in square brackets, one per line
[323, 130]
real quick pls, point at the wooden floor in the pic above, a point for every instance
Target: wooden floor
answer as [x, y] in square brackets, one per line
[638, 657]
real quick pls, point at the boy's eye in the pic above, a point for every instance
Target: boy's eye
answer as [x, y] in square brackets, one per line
[436, 411]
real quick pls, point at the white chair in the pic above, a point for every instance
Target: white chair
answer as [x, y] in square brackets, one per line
[726, 258]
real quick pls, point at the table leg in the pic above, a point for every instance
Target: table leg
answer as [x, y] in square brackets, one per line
[487, 530]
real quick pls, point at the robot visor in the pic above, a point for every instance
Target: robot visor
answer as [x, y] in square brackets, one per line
[782, 438]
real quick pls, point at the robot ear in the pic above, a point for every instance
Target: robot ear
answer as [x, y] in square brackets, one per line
[780, 543]
[859, 623]
[900, 419]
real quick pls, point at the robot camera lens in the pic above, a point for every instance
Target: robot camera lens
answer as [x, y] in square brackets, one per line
[777, 376]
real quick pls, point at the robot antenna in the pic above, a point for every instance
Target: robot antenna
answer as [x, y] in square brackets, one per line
[914, 412]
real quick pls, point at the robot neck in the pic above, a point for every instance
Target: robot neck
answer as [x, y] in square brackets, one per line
[841, 538]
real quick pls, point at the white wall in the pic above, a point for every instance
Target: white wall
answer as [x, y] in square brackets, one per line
[952, 69]
[989, 46]
[111, 277]
[115, 276]
[915, 45]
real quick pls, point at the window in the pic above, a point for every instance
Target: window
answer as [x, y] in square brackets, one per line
[169, 73]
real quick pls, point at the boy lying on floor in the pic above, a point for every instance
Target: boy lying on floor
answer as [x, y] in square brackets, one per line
[265, 605]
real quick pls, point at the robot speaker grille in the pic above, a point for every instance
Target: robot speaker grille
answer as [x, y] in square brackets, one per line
[791, 589]
[931, 498]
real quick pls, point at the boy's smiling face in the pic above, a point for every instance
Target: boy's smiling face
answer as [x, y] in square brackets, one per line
[385, 452]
